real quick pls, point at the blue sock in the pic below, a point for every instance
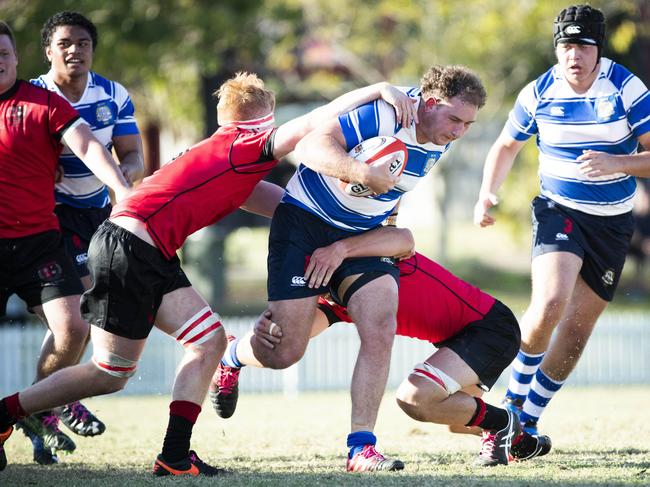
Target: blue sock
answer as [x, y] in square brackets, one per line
[229, 358]
[542, 390]
[359, 439]
[523, 369]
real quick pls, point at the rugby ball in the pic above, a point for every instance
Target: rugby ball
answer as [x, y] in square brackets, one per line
[374, 151]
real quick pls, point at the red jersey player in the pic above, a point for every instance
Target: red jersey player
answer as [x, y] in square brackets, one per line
[35, 123]
[476, 336]
[137, 279]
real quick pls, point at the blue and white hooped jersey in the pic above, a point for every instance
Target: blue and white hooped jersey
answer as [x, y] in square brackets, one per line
[106, 106]
[322, 195]
[609, 117]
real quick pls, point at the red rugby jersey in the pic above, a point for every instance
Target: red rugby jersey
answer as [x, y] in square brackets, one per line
[32, 121]
[201, 186]
[434, 304]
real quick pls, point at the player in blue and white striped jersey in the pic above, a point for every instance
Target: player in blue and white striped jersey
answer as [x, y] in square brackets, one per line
[83, 202]
[322, 195]
[315, 212]
[589, 115]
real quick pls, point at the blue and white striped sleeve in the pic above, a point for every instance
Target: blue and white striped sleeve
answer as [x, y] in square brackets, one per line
[125, 123]
[367, 121]
[636, 99]
[521, 122]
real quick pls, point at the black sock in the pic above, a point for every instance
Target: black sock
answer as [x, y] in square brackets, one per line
[488, 417]
[177, 439]
[495, 418]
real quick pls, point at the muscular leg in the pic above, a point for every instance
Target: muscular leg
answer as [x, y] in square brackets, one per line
[554, 277]
[199, 361]
[295, 318]
[373, 308]
[83, 380]
[69, 333]
[423, 400]
[573, 332]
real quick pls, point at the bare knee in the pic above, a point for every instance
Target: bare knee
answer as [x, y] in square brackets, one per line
[282, 357]
[548, 311]
[417, 401]
[104, 383]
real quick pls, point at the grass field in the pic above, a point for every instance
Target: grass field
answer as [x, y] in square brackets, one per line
[601, 436]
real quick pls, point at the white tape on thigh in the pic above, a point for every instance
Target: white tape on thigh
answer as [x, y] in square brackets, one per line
[199, 328]
[437, 376]
[113, 364]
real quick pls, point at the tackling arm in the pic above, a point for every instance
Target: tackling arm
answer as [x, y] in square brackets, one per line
[264, 199]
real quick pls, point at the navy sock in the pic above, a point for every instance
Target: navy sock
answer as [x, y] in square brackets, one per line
[229, 358]
[359, 439]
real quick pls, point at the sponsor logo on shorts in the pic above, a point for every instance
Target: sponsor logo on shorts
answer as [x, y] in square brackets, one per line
[608, 277]
[387, 260]
[298, 281]
[557, 111]
[50, 272]
[561, 236]
[81, 258]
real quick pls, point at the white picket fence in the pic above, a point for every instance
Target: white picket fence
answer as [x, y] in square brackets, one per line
[618, 353]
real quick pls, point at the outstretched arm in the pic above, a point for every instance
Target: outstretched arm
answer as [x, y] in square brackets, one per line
[86, 147]
[290, 133]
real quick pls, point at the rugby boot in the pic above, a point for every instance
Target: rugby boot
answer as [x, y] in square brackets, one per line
[192, 465]
[512, 404]
[42, 455]
[527, 446]
[370, 460]
[224, 389]
[81, 421]
[530, 427]
[46, 425]
[4, 436]
[496, 444]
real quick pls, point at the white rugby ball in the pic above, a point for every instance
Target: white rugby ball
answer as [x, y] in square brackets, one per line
[373, 151]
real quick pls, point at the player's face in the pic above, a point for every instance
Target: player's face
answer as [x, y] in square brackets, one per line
[578, 63]
[443, 121]
[71, 51]
[8, 63]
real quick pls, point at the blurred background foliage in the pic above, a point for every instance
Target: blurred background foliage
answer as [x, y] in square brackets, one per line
[171, 54]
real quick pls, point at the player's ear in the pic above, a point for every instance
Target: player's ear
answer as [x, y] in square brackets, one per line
[431, 102]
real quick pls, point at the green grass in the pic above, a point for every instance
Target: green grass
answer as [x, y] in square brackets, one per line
[600, 437]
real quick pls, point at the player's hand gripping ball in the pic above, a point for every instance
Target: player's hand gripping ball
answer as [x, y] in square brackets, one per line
[375, 151]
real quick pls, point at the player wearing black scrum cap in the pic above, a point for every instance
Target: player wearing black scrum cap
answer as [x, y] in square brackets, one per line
[589, 115]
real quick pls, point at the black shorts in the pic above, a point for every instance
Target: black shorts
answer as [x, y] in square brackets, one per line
[295, 234]
[602, 242]
[37, 269]
[488, 345]
[78, 226]
[130, 278]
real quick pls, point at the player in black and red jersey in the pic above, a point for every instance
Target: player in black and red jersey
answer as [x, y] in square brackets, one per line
[35, 123]
[137, 279]
[476, 335]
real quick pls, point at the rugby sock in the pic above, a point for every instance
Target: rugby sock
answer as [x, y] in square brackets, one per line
[542, 389]
[10, 411]
[359, 439]
[229, 358]
[523, 369]
[488, 417]
[182, 416]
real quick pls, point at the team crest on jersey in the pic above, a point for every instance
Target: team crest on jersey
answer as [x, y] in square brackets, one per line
[431, 161]
[608, 277]
[605, 107]
[50, 272]
[104, 114]
[17, 115]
